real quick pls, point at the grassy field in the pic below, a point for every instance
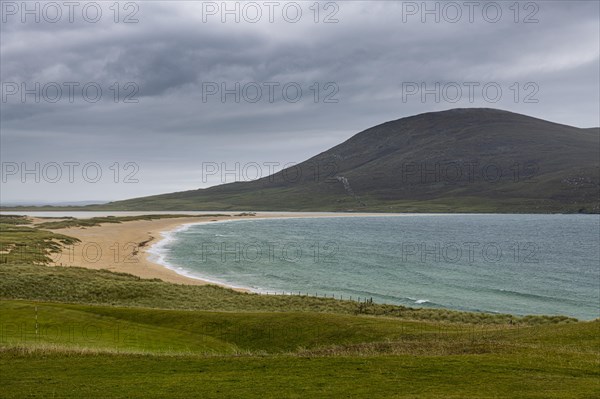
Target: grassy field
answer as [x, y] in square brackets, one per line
[74, 332]
[99, 351]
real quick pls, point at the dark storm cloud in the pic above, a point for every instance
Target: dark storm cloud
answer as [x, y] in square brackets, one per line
[171, 54]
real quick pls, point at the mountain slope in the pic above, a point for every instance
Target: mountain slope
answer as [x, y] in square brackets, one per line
[479, 160]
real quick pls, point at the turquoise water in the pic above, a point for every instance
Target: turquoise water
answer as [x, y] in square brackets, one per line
[519, 264]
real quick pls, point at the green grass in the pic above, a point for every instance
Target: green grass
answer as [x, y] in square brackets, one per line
[93, 351]
[101, 287]
[24, 244]
[14, 220]
[158, 331]
[75, 332]
[121, 376]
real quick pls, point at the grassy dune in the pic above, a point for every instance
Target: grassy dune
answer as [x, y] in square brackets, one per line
[103, 329]
[101, 287]
[20, 243]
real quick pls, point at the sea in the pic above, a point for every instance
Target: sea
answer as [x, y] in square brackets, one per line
[497, 263]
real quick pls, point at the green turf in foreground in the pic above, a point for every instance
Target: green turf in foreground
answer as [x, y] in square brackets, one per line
[292, 377]
[182, 354]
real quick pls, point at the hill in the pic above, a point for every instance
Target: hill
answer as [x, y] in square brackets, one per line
[460, 160]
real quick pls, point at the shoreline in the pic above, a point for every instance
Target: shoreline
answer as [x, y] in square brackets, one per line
[124, 248]
[155, 254]
[131, 246]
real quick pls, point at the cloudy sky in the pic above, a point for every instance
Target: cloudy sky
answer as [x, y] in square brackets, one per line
[105, 102]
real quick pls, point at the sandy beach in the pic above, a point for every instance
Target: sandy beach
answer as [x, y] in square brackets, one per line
[124, 247]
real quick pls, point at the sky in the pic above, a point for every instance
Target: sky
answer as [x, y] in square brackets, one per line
[111, 100]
